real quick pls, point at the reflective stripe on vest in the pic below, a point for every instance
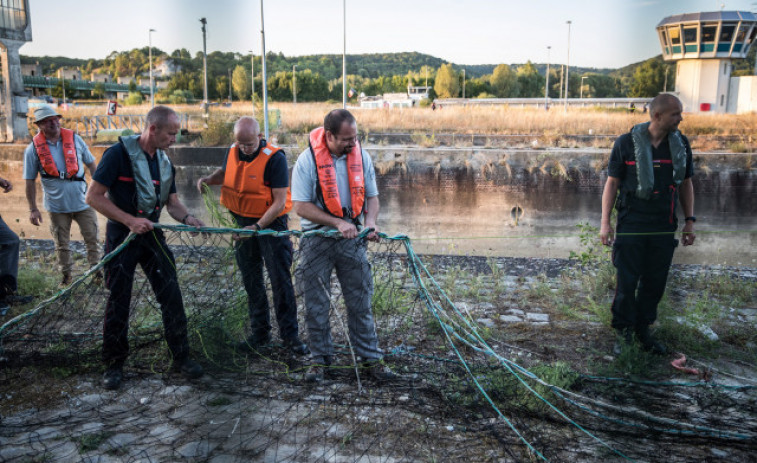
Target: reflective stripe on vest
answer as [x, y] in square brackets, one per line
[147, 200]
[326, 173]
[243, 191]
[69, 154]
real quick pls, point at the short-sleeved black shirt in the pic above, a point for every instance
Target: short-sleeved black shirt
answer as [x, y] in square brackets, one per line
[622, 152]
[114, 172]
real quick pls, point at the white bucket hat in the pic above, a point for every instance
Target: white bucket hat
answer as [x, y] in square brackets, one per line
[43, 112]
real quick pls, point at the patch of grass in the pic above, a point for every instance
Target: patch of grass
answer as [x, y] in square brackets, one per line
[90, 442]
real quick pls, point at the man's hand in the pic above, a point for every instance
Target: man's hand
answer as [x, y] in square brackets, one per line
[201, 182]
[347, 229]
[606, 235]
[688, 236]
[35, 217]
[6, 185]
[374, 235]
[140, 225]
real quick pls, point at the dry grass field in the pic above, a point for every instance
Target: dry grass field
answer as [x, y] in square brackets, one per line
[503, 120]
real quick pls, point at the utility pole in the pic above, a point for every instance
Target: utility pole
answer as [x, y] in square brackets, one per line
[204, 68]
[229, 85]
[294, 83]
[252, 80]
[546, 85]
[463, 83]
[567, 70]
[265, 86]
[344, 54]
[152, 87]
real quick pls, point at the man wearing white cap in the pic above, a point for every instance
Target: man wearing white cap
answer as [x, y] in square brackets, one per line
[59, 156]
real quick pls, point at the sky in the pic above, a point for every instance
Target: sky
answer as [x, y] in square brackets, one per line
[602, 34]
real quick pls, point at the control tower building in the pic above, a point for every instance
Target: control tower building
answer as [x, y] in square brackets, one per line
[704, 45]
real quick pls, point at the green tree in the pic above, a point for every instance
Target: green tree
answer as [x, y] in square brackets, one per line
[648, 79]
[447, 83]
[99, 90]
[504, 82]
[240, 82]
[530, 82]
[221, 87]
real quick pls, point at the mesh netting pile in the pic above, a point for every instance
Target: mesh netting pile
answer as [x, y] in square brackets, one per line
[461, 395]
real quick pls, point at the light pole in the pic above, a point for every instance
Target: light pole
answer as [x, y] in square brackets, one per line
[546, 84]
[229, 85]
[294, 83]
[152, 87]
[567, 70]
[252, 80]
[204, 67]
[582, 87]
[463, 83]
[265, 86]
[344, 54]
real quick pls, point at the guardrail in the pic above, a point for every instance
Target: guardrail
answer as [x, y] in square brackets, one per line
[88, 126]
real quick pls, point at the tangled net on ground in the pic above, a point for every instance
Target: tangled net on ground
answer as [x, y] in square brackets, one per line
[461, 397]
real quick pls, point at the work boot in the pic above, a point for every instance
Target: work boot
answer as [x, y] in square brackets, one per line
[317, 371]
[379, 371]
[189, 368]
[66, 280]
[113, 377]
[254, 343]
[623, 339]
[295, 346]
[648, 342]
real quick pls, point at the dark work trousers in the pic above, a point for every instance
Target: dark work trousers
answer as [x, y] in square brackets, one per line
[151, 252]
[276, 253]
[642, 263]
[9, 246]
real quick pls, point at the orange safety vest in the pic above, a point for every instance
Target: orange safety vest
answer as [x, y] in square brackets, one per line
[243, 191]
[46, 157]
[328, 191]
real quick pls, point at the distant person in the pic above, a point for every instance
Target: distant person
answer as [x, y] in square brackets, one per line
[631, 107]
[255, 189]
[645, 108]
[433, 106]
[650, 169]
[334, 188]
[132, 184]
[59, 157]
[9, 247]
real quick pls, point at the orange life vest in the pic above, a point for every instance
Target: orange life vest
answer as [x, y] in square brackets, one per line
[328, 191]
[243, 191]
[69, 153]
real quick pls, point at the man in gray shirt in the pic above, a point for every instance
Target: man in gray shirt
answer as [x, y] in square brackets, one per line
[334, 188]
[59, 156]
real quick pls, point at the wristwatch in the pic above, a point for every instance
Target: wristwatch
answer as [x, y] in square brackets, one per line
[690, 219]
[257, 227]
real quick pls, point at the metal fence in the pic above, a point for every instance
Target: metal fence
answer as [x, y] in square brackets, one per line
[88, 126]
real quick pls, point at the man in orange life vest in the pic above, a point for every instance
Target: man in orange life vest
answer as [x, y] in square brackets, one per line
[334, 188]
[254, 183]
[59, 156]
[650, 168]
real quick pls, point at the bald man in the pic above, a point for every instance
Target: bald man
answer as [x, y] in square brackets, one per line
[254, 183]
[650, 169]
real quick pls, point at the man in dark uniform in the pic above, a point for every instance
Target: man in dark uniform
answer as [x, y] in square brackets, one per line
[138, 178]
[650, 169]
[255, 189]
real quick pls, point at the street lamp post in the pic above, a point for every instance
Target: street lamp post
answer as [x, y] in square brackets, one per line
[344, 54]
[152, 87]
[252, 80]
[204, 67]
[463, 83]
[264, 75]
[567, 69]
[582, 87]
[546, 84]
[294, 83]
